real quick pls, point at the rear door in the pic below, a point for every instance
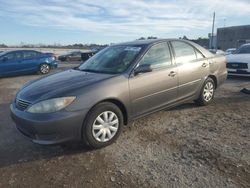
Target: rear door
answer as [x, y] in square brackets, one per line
[30, 61]
[152, 90]
[192, 68]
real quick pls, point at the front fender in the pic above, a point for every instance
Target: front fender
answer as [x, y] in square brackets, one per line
[115, 88]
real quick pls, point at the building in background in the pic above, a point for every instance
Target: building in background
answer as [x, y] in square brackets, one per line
[233, 37]
[204, 42]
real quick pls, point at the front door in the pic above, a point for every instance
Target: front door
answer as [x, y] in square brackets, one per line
[10, 63]
[152, 90]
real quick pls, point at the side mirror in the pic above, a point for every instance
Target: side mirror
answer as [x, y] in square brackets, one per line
[143, 69]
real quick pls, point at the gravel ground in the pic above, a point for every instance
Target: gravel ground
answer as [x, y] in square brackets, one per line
[187, 146]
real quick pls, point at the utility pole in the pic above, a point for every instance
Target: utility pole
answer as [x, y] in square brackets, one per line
[212, 37]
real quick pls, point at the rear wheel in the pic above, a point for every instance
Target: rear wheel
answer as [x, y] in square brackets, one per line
[207, 93]
[44, 68]
[103, 125]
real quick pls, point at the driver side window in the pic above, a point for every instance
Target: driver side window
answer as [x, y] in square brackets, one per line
[8, 57]
[158, 56]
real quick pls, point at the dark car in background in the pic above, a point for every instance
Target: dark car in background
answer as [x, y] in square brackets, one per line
[76, 56]
[123, 82]
[86, 55]
[18, 62]
[71, 56]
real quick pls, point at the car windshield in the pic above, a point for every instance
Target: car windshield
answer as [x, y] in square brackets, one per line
[68, 53]
[244, 49]
[3, 53]
[111, 60]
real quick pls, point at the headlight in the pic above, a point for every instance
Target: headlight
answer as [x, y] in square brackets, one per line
[53, 58]
[51, 105]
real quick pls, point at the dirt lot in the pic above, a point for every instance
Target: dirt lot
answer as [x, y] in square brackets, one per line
[187, 146]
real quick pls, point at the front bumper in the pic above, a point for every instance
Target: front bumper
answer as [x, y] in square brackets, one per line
[48, 129]
[54, 64]
[240, 72]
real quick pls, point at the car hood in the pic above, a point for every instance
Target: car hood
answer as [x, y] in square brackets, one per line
[58, 85]
[239, 58]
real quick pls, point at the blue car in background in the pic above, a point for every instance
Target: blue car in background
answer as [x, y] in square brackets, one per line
[19, 62]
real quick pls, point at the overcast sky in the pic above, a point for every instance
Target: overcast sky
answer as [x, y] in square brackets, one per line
[100, 21]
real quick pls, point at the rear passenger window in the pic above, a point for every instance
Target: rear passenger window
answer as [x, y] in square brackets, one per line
[29, 54]
[184, 53]
[18, 55]
[158, 56]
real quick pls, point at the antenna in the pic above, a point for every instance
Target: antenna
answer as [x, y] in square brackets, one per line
[212, 37]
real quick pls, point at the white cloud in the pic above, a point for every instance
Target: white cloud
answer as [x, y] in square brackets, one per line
[123, 17]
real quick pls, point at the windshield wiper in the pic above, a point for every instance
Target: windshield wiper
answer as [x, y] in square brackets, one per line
[84, 70]
[89, 70]
[96, 71]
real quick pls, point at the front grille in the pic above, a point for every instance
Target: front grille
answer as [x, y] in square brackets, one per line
[237, 65]
[239, 72]
[21, 104]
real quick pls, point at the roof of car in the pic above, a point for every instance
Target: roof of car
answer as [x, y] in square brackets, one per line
[20, 50]
[11, 51]
[144, 42]
[248, 44]
[149, 42]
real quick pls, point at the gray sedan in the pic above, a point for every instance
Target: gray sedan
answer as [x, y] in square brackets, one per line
[92, 102]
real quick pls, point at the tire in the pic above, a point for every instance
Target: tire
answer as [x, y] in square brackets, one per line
[98, 132]
[207, 93]
[44, 68]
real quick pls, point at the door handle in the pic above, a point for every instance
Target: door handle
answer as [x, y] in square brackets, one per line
[204, 64]
[172, 74]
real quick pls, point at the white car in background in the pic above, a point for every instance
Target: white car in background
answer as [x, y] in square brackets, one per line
[238, 63]
[230, 51]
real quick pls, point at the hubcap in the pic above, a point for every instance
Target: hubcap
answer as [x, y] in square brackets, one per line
[105, 126]
[44, 69]
[208, 91]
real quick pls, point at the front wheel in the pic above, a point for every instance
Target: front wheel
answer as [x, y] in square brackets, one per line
[207, 93]
[44, 68]
[103, 125]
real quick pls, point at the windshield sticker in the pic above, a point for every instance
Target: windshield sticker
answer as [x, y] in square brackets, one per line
[136, 49]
